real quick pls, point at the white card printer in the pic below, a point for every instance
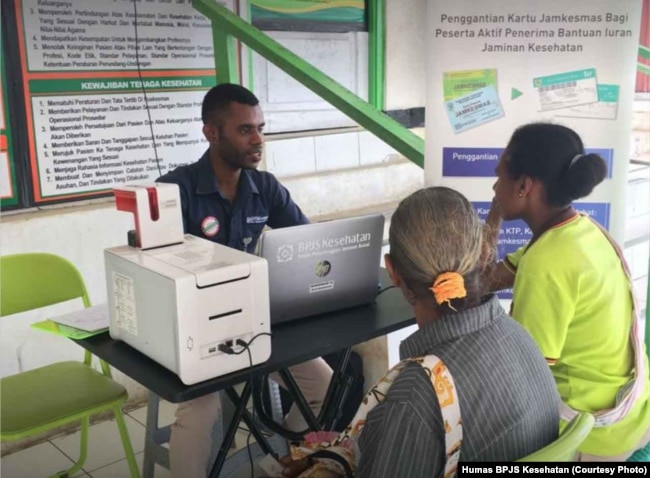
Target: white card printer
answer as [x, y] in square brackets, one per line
[180, 304]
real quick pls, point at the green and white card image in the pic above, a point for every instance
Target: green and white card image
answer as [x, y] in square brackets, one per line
[564, 78]
[566, 90]
[606, 108]
[459, 83]
[607, 93]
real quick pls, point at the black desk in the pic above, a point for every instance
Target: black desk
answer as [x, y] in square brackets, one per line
[292, 343]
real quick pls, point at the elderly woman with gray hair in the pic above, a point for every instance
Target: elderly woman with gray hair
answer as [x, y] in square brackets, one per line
[487, 369]
[471, 385]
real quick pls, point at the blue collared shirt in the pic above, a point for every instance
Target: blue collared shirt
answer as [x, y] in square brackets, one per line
[261, 200]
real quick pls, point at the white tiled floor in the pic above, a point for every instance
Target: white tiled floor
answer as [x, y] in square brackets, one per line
[105, 453]
[105, 457]
[40, 460]
[104, 443]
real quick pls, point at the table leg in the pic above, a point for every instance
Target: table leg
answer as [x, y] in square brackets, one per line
[336, 392]
[299, 400]
[229, 436]
[240, 413]
[155, 437]
[259, 437]
[258, 402]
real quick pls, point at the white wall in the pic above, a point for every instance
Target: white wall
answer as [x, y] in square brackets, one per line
[405, 53]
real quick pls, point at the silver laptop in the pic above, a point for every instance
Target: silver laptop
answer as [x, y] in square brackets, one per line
[322, 267]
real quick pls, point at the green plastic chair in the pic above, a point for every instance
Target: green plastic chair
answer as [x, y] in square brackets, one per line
[45, 398]
[566, 446]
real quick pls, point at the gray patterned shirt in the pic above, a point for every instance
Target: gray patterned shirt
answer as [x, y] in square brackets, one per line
[508, 399]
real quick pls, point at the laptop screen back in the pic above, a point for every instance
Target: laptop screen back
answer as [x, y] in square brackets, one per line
[322, 267]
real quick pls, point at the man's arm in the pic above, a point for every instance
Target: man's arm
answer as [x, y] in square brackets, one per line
[283, 212]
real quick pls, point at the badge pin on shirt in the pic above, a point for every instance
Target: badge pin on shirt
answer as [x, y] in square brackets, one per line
[210, 226]
[246, 241]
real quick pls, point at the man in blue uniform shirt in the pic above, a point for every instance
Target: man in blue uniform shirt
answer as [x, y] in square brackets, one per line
[225, 199]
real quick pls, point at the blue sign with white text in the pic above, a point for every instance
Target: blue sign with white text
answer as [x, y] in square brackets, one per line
[515, 234]
[481, 162]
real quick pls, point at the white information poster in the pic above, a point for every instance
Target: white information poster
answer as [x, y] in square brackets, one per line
[94, 120]
[498, 64]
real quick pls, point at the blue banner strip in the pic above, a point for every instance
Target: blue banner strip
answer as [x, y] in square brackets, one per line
[481, 162]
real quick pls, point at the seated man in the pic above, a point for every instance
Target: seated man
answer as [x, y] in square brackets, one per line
[224, 198]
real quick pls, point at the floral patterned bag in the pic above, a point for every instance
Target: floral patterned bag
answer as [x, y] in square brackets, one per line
[332, 455]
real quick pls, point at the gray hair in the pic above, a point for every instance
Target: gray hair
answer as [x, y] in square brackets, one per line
[436, 230]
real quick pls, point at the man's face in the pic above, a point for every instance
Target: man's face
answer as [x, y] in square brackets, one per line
[240, 136]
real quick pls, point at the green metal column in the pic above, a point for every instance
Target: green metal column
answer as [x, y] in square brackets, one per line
[225, 55]
[376, 52]
[249, 52]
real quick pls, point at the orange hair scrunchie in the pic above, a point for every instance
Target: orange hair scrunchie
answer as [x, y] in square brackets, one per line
[447, 286]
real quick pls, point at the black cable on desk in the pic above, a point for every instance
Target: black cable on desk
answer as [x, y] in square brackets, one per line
[243, 344]
[246, 347]
[248, 448]
[385, 289]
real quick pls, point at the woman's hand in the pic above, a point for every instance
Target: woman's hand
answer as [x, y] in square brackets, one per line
[493, 224]
[293, 468]
[495, 216]
[494, 275]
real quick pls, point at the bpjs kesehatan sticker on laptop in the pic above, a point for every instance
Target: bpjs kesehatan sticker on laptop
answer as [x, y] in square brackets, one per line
[568, 89]
[474, 109]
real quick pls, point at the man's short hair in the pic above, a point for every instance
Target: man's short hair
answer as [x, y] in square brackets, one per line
[217, 101]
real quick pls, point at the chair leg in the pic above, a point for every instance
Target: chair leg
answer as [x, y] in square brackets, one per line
[83, 451]
[126, 442]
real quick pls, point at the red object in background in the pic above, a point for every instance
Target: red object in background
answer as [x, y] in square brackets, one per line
[126, 201]
[643, 79]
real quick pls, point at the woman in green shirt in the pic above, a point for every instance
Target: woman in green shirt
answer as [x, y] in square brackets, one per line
[571, 289]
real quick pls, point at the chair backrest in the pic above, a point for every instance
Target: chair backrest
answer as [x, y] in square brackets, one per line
[566, 446]
[34, 280]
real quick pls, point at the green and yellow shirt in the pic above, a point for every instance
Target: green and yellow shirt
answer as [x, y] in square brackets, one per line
[572, 295]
